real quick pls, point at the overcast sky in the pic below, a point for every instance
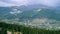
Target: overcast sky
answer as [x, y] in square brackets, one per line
[29, 2]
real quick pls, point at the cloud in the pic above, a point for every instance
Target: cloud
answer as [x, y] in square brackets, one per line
[13, 3]
[15, 11]
[28, 2]
[47, 2]
[6, 4]
[20, 2]
[44, 2]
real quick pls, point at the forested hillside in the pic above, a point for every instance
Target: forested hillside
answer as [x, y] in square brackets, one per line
[4, 27]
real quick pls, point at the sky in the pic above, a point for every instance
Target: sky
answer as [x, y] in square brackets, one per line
[29, 2]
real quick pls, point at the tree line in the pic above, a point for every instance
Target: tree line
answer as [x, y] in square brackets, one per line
[4, 27]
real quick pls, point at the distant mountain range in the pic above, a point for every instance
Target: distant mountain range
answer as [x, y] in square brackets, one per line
[31, 11]
[32, 14]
